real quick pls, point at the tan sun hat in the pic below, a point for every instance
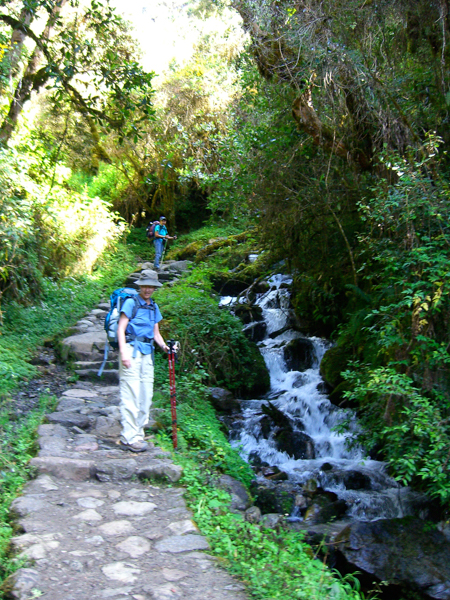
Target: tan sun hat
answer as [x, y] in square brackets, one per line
[149, 277]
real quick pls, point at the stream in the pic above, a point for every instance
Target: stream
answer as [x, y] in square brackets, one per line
[297, 406]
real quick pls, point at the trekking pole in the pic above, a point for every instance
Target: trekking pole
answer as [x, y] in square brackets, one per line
[173, 348]
[163, 253]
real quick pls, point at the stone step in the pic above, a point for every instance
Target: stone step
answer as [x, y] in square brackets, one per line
[108, 375]
[111, 364]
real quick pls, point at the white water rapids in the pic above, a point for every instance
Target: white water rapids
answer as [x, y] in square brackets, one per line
[297, 394]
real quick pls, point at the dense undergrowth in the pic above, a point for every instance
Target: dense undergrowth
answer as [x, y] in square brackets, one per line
[58, 307]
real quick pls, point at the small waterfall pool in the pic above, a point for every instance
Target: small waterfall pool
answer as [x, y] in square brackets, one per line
[297, 402]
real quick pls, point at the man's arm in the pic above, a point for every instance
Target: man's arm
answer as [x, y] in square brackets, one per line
[163, 237]
[124, 354]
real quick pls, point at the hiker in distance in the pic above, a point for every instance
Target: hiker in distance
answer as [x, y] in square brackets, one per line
[136, 337]
[161, 235]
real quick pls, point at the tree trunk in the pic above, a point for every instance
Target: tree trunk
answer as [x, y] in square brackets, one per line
[17, 40]
[32, 79]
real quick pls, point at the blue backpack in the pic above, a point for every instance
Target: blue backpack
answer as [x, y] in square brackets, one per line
[117, 300]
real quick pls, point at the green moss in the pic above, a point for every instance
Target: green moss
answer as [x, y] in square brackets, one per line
[334, 362]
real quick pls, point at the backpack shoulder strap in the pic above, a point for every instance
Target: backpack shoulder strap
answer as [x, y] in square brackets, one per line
[136, 307]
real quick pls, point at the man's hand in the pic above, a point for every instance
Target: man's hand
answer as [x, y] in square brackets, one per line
[126, 361]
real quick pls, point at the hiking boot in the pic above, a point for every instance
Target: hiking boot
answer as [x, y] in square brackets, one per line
[135, 446]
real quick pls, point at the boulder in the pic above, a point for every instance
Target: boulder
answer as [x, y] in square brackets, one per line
[299, 354]
[255, 331]
[222, 399]
[334, 362]
[277, 425]
[179, 266]
[399, 551]
[248, 313]
[253, 514]
[322, 510]
[273, 497]
[271, 520]
[161, 470]
[240, 498]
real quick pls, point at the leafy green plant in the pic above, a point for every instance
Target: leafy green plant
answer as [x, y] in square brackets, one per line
[213, 338]
[404, 392]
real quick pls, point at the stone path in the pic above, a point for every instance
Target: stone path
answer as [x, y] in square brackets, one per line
[93, 529]
[99, 521]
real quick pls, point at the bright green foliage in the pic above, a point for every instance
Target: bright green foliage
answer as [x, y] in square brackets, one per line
[213, 338]
[17, 444]
[413, 429]
[45, 230]
[109, 184]
[59, 306]
[199, 432]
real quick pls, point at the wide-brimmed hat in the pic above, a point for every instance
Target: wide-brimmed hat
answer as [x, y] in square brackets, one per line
[149, 277]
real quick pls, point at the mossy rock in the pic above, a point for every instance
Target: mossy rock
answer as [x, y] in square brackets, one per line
[273, 497]
[336, 396]
[188, 251]
[259, 382]
[248, 313]
[210, 248]
[334, 361]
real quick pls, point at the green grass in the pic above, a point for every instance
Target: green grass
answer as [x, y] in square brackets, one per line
[60, 306]
[18, 446]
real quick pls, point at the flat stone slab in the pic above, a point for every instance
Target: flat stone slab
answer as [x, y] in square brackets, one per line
[71, 404]
[53, 430]
[65, 468]
[80, 393]
[116, 470]
[51, 445]
[183, 527]
[119, 527]
[134, 546]
[24, 505]
[83, 344]
[69, 419]
[182, 543]
[133, 509]
[119, 571]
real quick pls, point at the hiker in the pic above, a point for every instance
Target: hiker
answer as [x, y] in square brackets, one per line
[136, 337]
[161, 235]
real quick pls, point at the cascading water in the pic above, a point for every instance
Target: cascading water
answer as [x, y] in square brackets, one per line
[304, 415]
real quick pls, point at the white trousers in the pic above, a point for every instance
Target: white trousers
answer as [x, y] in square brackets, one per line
[136, 392]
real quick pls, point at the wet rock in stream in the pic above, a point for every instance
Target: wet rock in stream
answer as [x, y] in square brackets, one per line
[296, 444]
[400, 551]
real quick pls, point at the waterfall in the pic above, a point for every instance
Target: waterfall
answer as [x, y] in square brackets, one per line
[300, 410]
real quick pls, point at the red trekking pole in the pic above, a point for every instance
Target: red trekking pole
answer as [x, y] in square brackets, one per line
[173, 348]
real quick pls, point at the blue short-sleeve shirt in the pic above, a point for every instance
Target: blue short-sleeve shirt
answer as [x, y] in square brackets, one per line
[143, 324]
[161, 229]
